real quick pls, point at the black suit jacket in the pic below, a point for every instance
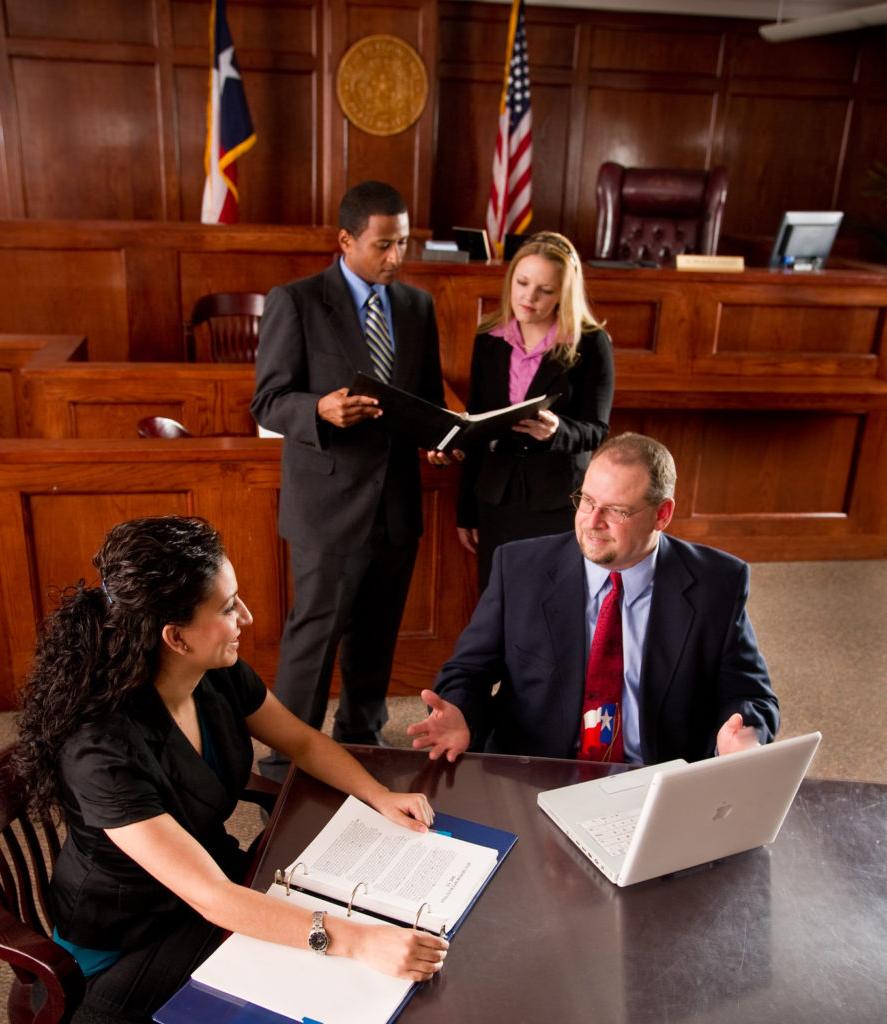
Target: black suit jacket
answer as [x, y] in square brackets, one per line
[333, 479]
[700, 664]
[548, 470]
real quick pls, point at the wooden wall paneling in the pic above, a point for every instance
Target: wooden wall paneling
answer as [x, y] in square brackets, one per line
[783, 153]
[279, 50]
[655, 47]
[106, 21]
[472, 42]
[102, 158]
[171, 181]
[404, 160]
[636, 127]
[203, 273]
[155, 327]
[466, 140]
[867, 146]
[18, 609]
[66, 291]
[817, 59]
[190, 87]
[11, 196]
[281, 188]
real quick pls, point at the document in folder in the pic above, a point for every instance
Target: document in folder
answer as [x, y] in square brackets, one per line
[434, 428]
[362, 862]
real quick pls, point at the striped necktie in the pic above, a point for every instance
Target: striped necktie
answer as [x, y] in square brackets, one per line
[378, 339]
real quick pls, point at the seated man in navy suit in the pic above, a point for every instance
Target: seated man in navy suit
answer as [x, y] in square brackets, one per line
[530, 673]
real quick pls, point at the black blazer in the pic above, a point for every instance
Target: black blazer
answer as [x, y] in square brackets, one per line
[332, 478]
[135, 765]
[701, 661]
[548, 470]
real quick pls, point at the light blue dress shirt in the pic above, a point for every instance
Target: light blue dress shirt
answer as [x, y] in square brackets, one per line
[360, 292]
[637, 592]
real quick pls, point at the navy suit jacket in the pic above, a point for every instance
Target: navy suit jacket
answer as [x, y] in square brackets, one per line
[700, 663]
[333, 479]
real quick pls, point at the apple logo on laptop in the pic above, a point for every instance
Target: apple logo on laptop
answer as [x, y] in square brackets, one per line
[721, 812]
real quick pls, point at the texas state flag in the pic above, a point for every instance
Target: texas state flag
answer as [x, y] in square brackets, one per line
[229, 128]
[599, 725]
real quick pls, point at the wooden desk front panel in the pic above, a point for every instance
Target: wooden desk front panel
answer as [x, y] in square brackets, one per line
[769, 468]
[129, 286]
[58, 499]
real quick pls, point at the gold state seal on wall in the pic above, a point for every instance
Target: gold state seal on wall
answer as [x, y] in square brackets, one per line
[381, 85]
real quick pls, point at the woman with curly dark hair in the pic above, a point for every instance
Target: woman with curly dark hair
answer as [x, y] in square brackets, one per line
[136, 723]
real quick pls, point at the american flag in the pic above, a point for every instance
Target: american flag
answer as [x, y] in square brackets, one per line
[511, 207]
[229, 128]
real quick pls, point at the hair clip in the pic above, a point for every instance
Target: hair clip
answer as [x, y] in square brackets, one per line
[556, 242]
[105, 591]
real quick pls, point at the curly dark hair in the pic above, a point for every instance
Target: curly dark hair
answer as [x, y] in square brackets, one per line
[102, 644]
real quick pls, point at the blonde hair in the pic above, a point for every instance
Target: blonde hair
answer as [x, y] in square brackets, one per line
[573, 313]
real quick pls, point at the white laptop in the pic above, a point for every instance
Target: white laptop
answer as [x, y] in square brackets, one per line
[666, 817]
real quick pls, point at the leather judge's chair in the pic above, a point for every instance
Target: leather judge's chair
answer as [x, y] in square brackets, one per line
[224, 327]
[654, 214]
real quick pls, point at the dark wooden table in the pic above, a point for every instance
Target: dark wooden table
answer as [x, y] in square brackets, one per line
[793, 933]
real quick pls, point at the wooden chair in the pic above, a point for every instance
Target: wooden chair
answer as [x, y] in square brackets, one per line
[231, 327]
[48, 985]
[162, 426]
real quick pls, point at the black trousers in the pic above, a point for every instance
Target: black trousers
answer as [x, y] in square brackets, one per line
[499, 524]
[351, 605]
[131, 990]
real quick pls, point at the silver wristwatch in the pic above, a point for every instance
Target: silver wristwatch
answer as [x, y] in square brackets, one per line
[318, 937]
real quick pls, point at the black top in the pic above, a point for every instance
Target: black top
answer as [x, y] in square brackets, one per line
[541, 473]
[136, 765]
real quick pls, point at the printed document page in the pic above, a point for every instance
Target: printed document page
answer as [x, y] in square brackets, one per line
[391, 870]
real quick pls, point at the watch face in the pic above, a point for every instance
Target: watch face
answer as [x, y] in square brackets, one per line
[318, 940]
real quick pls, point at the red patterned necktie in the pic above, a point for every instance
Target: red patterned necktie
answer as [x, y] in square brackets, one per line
[601, 733]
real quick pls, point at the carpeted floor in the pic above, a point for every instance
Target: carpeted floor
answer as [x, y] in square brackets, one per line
[821, 626]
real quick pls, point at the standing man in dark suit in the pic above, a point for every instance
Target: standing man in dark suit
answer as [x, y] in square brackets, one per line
[690, 680]
[350, 499]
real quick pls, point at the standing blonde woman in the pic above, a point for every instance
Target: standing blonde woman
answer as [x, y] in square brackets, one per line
[542, 340]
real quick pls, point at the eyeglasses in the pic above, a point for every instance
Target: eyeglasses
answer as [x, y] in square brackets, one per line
[614, 516]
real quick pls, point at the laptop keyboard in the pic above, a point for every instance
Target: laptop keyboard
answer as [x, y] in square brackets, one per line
[613, 831]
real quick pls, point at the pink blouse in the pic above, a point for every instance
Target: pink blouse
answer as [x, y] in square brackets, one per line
[524, 365]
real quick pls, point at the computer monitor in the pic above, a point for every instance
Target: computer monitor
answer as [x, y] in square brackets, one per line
[805, 239]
